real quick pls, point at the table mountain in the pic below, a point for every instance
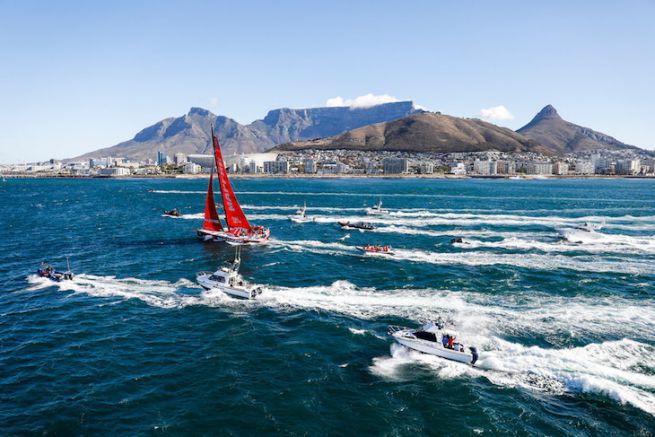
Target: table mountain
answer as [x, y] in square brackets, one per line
[190, 132]
[562, 137]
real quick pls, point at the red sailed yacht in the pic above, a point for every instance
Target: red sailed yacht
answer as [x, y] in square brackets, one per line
[238, 230]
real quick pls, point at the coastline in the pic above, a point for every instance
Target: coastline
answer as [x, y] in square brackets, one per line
[329, 176]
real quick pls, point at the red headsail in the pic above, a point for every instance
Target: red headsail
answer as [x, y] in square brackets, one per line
[212, 222]
[234, 215]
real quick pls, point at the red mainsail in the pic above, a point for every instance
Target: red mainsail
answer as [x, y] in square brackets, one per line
[234, 215]
[212, 222]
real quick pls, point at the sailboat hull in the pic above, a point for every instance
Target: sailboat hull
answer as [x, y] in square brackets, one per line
[208, 235]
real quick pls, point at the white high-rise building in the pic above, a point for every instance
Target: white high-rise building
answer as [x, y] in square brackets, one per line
[180, 158]
[560, 168]
[583, 167]
[628, 166]
[539, 168]
[310, 166]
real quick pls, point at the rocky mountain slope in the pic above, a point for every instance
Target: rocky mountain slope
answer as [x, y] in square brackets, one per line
[190, 132]
[561, 136]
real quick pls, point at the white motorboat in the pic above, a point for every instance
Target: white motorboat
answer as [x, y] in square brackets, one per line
[432, 338]
[228, 280]
[377, 209]
[301, 216]
[586, 233]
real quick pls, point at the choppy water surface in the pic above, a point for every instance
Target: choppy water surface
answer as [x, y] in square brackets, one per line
[132, 345]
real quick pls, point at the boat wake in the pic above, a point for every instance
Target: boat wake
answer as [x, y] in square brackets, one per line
[613, 369]
[598, 243]
[619, 369]
[482, 258]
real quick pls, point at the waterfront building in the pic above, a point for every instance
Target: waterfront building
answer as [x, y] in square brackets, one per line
[493, 167]
[485, 168]
[426, 168]
[506, 167]
[180, 158]
[204, 161]
[161, 158]
[458, 168]
[628, 166]
[561, 168]
[584, 167]
[395, 165]
[272, 167]
[114, 171]
[310, 166]
[191, 168]
[539, 168]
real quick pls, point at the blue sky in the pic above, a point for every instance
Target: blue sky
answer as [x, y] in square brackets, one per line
[75, 76]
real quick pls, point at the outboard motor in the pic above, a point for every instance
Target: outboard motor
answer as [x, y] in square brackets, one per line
[474, 352]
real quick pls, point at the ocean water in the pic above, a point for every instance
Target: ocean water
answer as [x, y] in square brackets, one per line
[566, 331]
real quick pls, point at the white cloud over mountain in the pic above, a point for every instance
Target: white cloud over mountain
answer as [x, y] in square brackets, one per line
[496, 113]
[365, 101]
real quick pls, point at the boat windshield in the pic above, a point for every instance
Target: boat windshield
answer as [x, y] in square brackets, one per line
[217, 278]
[423, 335]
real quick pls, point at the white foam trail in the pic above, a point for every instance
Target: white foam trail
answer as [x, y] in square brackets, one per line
[473, 258]
[596, 368]
[603, 243]
[455, 232]
[314, 246]
[310, 209]
[442, 196]
[580, 316]
[194, 216]
[468, 220]
[528, 261]
[177, 192]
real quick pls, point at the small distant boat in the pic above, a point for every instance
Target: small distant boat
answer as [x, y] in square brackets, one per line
[587, 233]
[173, 213]
[589, 227]
[356, 225]
[377, 209]
[515, 178]
[150, 190]
[228, 280]
[376, 249]
[47, 271]
[301, 216]
[434, 339]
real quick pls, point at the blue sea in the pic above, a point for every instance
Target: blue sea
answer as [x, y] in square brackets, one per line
[566, 331]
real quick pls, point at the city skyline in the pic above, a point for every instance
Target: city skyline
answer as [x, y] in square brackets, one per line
[83, 76]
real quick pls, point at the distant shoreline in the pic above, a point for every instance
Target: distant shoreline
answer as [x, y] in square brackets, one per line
[326, 176]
